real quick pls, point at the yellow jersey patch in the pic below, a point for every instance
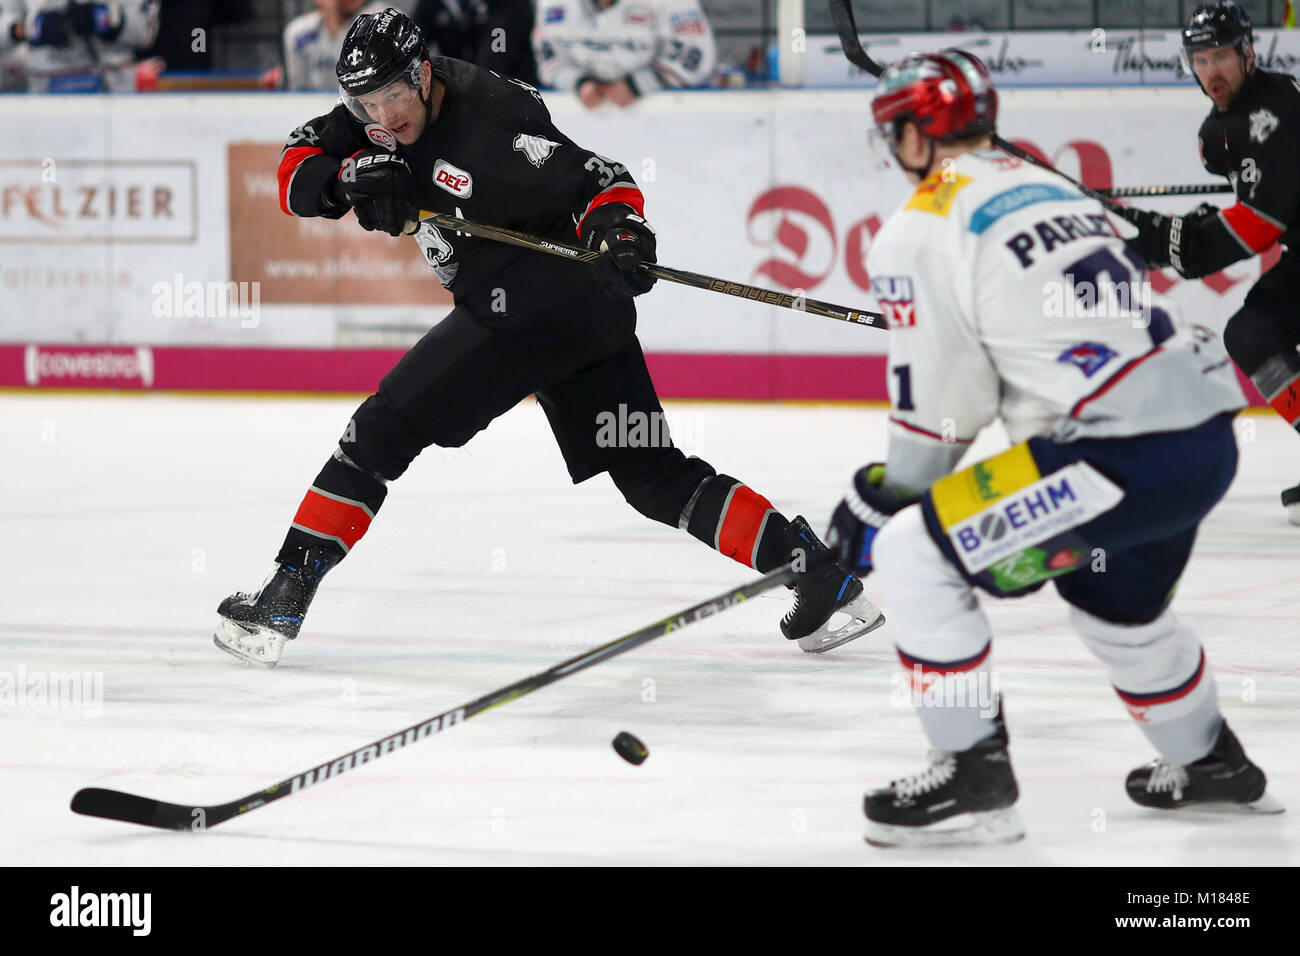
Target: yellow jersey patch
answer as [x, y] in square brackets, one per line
[967, 492]
[935, 194]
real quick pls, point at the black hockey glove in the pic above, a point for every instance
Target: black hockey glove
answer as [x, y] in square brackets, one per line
[378, 186]
[52, 28]
[1171, 240]
[96, 19]
[1152, 240]
[862, 513]
[627, 243]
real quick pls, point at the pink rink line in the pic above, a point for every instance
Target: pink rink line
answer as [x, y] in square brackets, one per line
[208, 368]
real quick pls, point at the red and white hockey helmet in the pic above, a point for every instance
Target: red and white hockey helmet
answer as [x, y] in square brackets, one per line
[948, 95]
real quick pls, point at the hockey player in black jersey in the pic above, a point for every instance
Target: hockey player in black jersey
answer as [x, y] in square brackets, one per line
[419, 133]
[1252, 136]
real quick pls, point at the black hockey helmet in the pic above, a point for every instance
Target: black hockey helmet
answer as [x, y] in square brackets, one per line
[1214, 25]
[379, 49]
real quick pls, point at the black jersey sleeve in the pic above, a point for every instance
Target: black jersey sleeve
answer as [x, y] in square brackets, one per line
[1214, 155]
[311, 160]
[1266, 182]
[588, 178]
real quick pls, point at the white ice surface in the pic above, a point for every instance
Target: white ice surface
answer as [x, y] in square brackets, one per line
[126, 519]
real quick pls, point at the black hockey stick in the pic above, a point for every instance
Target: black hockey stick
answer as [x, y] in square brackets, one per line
[846, 26]
[129, 808]
[1197, 189]
[739, 289]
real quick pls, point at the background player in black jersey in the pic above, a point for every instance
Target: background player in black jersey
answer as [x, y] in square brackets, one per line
[418, 133]
[1252, 136]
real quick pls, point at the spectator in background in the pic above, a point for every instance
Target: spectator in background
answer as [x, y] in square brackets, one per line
[313, 41]
[619, 50]
[494, 34]
[177, 44]
[79, 47]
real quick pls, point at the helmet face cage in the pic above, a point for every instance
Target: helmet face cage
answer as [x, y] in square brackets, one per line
[379, 50]
[1215, 25]
[410, 76]
[949, 95]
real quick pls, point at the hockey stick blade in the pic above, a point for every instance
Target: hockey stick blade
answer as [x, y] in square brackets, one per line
[694, 279]
[850, 42]
[130, 808]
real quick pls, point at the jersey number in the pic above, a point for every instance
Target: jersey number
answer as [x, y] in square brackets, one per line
[904, 373]
[1087, 271]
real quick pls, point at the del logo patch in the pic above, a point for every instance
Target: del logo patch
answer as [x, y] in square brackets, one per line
[894, 293]
[554, 14]
[935, 195]
[453, 179]
[688, 21]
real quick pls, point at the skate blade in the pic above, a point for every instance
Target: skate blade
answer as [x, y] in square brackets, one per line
[260, 647]
[987, 828]
[1293, 513]
[1266, 804]
[864, 617]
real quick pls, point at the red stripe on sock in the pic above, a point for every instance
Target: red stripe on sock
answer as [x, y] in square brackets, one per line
[1287, 402]
[741, 524]
[332, 519]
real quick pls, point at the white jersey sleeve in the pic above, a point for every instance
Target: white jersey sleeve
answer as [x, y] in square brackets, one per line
[942, 386]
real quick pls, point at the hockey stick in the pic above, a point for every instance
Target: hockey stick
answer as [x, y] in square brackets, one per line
[739, 289]
[846, 26]
[1198, 189]
[129, 808]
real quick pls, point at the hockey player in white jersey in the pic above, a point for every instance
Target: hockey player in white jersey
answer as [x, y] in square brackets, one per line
[312, 42]
[1011, 297]
[76, 47]
[619, 50]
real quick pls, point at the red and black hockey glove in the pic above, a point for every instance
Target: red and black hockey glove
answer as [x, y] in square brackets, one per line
[378, 186]
[627, 243]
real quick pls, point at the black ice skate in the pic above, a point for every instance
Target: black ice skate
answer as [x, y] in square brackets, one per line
[961, 799]
[829, 606]
[254, 627]
[1291, 502]
[1224, 781]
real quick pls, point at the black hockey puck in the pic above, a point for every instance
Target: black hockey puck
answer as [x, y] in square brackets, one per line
[629, 748]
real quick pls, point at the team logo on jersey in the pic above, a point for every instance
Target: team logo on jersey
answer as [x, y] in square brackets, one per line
[894, 293]
[1262, 124]
[688, 21]
[453, 179]
[1087, 357]
[538, 149]
[936, 194]
[640, 16]
[303, 134]
[438, 251]
[381, 137]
